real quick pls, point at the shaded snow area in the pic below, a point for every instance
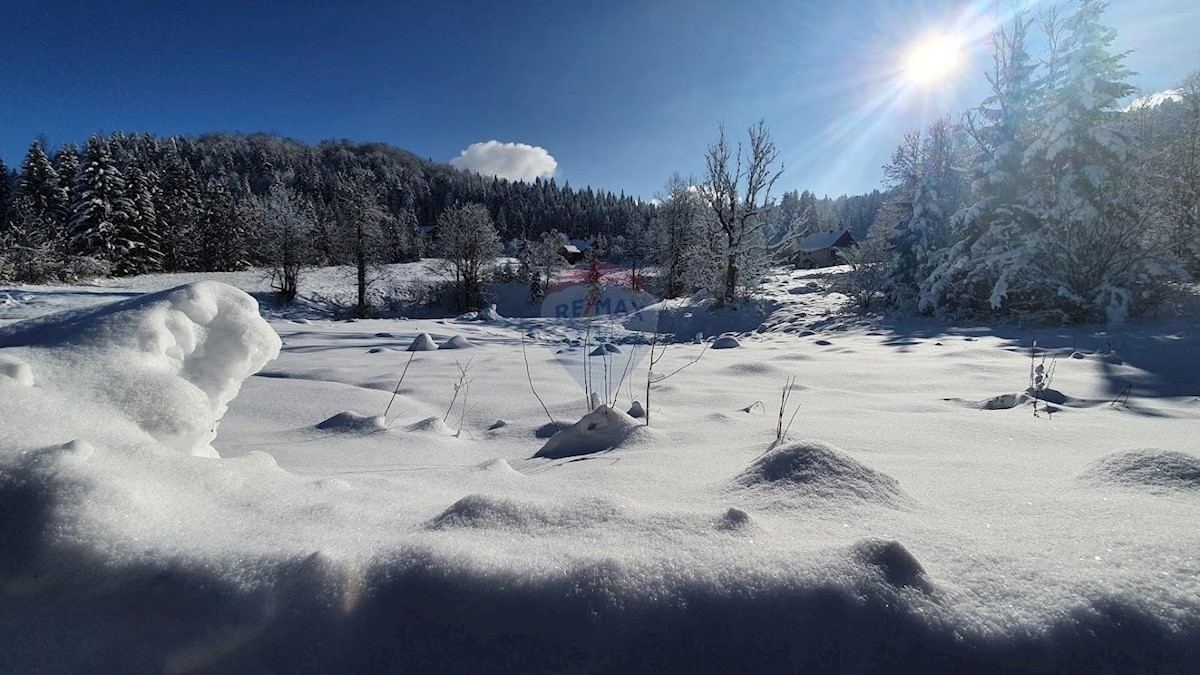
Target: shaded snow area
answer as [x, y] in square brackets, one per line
[186, 486]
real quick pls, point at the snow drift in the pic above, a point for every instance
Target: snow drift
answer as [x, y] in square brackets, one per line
[1155, 470]
[170, 362]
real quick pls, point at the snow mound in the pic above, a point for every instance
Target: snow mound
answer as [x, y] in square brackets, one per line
[456, 342]
[637, 411]
[602, 429]
[488, 512]
[422, 343]
[813, 468]
[352, 421]
[433, 424]
[898, 567]
[1159, 470]
[498, 465]
[489, 313]
[726, 342]
[16, 370]
[378, 350]
[736, 520]
[169, 362]
[605, 349]
[1003, 402]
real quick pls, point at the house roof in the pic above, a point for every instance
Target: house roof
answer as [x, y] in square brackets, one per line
[570, 248]
[823, 240]
[581, 244]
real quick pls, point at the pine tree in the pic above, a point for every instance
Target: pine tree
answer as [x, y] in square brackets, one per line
[44, 200]
[222, 242]
[923, 171]
[67, 165]
[1089, 251]
[178, 209]
[137, 240]
[981, 270]
[101, 213]
[5, 194]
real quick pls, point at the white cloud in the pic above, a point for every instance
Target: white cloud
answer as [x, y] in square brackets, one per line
[514, 161]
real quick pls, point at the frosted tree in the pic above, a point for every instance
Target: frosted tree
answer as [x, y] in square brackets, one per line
[737, 188]
[136, 241]
[44, 204]
[1091, 251]
[924, 171]
[978, 270]
[403, 238]
[674, 227]
[469, 244]
[5, 193]
[67, 165]
[222, 239]
[285, 221]
[358, 238]
[101, 211]
[179, 209]
[1179, 170]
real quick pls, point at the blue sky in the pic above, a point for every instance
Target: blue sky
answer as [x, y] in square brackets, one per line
[619, 93]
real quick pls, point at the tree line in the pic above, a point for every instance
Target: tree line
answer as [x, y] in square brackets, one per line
[132, 204]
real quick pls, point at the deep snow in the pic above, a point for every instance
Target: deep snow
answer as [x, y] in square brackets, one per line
[905, 528]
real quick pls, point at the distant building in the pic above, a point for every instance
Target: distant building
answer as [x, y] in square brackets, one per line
[821, 249]
[575, 250]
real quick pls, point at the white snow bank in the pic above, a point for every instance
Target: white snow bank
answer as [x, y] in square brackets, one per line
[170, 362]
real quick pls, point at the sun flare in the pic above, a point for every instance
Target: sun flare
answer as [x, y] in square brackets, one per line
[933, 59]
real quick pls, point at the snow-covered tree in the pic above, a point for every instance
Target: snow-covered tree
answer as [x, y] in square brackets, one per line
[676, 228]
[737, 188]
[179, 210]
[924, 171]
[469, 243]
[358, 239]
[43, 201]
[974, 273]
[101, 211]
[5, 192]
[286, 221]
[222, 239]
[1091, 249]
[137, 241]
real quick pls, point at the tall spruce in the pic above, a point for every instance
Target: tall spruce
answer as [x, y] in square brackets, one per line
[179, 209]
[1088, 254]
[101, 213]
[975, 272]
[43, 200]
[137, 241]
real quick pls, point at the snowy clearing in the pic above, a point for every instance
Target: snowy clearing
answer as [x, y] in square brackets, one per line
[906, 524]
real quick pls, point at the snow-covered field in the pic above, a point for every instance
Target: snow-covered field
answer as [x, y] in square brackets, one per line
[917, 519]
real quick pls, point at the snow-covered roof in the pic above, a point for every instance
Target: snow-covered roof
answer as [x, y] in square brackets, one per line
[581, 244]
[571, 248]
[821, 240]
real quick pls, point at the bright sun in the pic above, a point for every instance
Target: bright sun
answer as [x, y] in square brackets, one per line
[933, 59]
